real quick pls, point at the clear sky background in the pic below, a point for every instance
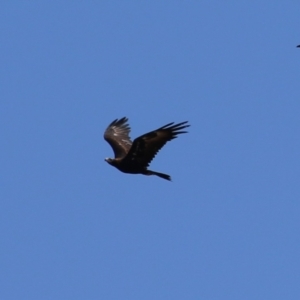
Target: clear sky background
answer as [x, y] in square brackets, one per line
[227, 226]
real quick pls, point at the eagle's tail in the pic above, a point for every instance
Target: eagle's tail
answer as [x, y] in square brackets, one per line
[162, 175]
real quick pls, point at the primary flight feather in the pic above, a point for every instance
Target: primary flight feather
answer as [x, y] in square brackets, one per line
[135, 157]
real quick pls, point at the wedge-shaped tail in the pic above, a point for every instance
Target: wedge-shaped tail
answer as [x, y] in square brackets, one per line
[161, 175]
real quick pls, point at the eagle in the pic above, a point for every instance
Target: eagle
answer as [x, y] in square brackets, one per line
[135, 157]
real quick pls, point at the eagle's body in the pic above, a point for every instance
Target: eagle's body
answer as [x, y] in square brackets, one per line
[135, 157]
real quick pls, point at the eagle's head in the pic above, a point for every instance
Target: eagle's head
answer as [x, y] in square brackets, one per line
[109, 160]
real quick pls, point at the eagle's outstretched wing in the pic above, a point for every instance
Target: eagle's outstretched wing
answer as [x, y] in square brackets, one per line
[145, 147]
[117, 135]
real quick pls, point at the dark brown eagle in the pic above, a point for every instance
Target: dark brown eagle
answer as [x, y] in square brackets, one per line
[135, 157]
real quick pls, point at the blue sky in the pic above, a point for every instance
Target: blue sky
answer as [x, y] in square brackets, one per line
[73, 227]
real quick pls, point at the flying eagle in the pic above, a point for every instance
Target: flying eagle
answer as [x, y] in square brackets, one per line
[135, 157]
